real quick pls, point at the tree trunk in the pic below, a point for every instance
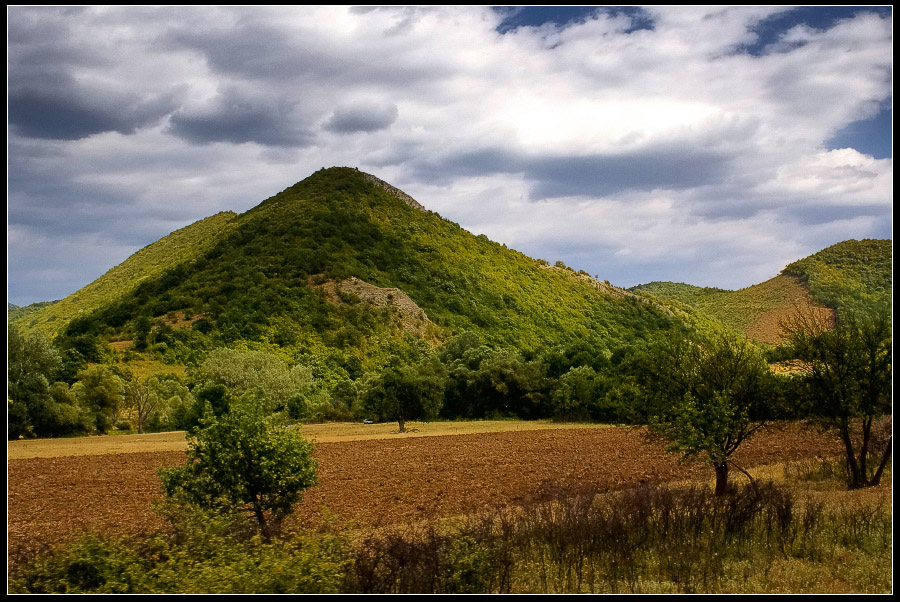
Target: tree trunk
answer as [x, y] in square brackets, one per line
[856, 480]
[721, 479]
[876, 480]
[261, 521]
[402, 424]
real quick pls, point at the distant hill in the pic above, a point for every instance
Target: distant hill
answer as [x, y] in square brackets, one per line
[15, 312]
[344, 271]
[834, 279]
[848, 273]
[342, 268]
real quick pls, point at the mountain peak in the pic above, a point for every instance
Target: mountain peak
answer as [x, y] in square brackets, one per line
[393, 191]
[333, 176]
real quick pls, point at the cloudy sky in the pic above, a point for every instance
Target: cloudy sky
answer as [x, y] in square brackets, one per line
[694, 144]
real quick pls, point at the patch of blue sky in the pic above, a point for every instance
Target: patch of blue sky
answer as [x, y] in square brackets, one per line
[771, 29]
[869, 136]
[872, 136]
[562, 16]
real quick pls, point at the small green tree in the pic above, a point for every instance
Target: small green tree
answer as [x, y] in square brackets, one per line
[710, 395]
[407, 393]
[173, 403]
[846, 383]
[265, 377]
[138, 401]
[32, 364]
[101, 393]
[237, 461]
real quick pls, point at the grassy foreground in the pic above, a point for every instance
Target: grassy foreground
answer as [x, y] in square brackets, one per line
[795, 530]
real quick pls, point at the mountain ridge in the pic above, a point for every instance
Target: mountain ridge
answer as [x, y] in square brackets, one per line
[246, 278]
[246, 284]
[841, 277]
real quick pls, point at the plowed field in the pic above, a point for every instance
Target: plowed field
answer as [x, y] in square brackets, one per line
[376, 481]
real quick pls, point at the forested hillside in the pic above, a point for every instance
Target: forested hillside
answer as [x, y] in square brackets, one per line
[151, 261]
[272, 277]
[848, 273]
[840, 277]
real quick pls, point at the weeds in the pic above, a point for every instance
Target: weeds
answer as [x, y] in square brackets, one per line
[649, 539]
[817, 470]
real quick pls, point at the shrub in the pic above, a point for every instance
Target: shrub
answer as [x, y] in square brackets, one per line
[239, 462]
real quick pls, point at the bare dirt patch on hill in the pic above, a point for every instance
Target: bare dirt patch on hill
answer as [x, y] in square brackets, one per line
[789, 297]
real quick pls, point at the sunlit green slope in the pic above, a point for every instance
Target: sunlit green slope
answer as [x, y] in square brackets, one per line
[277, 277]
[146, 264]
[849, 273]
[839, 277]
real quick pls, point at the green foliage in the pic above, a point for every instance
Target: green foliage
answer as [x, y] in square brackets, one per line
[257, 285]
[260, 377]
[239, 462]
[172, 402]
[849, 274]
[101, 392]
[159, 403]
[16, 314]
[581, 396]
[35, 407]
[847, 384]
[410, 392]
[710, 395]
[650, 539]
[844, 276]
[90, 565]
[736, 310]
[148, 263]
[142, 328]
[202, 555]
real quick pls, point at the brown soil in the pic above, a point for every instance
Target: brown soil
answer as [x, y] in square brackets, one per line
[374, 482]
[793, 299]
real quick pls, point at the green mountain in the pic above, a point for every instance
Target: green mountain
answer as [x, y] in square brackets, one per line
[848, 274]
[15, 312]
[838, 278]
[150, 262]
[345, 269]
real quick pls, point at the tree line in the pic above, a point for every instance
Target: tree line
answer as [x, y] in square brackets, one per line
[704, 393]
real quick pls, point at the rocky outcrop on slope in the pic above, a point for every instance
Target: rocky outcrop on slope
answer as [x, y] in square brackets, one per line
[394, 191]
[411, 318]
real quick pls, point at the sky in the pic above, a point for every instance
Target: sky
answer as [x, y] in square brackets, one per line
[707, 145]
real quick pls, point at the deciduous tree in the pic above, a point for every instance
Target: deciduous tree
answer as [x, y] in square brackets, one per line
[846, 380]
[101, 393]
[238, 461]
[407, 393]
[710, 396]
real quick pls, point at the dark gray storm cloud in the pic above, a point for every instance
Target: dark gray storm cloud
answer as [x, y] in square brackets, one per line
[66, 112]
[238, 118]
[589, 175]
[362, 118]
[608, 174]
[813, 215]
[247, 49]
[47, 99]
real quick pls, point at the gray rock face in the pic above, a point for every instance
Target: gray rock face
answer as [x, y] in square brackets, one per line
[394, 191]
[408, 316]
